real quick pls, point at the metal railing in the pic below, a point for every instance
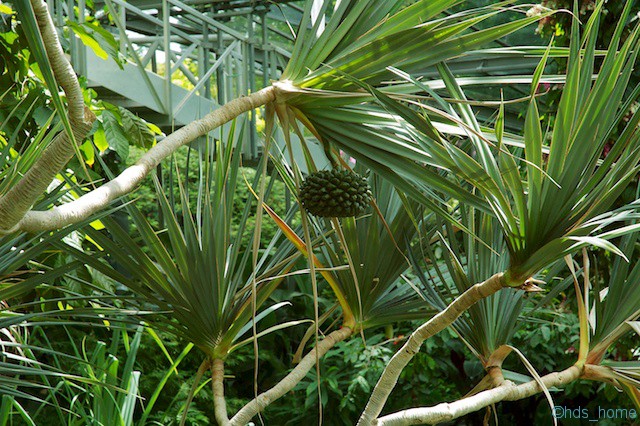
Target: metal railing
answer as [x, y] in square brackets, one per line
[216, 53]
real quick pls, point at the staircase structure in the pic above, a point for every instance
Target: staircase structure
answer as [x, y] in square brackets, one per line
[184, 58]
[181, 59]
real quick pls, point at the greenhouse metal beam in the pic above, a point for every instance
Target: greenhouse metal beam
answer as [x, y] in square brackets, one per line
[221, 50]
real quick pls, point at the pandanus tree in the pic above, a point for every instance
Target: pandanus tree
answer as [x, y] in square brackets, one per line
[355, 32]
[544, 216]
[200, 270]
[354, 83]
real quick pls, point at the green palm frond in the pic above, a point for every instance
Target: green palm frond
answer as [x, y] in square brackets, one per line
[198, 268]
[363, 259]
[491, 322]
[16, 159]
[31, 367]
[625, 375]
[548, 204]
[343, 49]
[362, 38]
[617, 299]
[375, 246]
[572, 198]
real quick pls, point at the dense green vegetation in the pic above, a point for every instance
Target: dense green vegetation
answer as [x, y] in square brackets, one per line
[123, 314]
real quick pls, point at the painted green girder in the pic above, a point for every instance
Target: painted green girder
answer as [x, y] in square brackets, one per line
[183, 58]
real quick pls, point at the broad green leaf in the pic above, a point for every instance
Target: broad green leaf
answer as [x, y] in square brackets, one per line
[101, 41]
[100, 139]
[6, 9]
[137, 130]
[88, 153]
[115, 135]
[88, 40]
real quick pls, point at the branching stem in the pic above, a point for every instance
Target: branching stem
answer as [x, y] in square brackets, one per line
[391, 373]
[293, 378]
[449, 411]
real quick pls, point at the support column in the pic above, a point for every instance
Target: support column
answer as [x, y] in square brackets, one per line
[166, 31]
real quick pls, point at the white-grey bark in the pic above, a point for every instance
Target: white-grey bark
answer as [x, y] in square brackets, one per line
[131, 177]
[20, 198]
[449, 411]
[293, 378]
[439, 322]
[62, 69]
[15, 205]
[217, 386]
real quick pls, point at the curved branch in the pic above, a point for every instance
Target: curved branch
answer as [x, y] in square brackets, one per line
[62, 69]
[391, 373]
[131, 177]
[293, 378]
[506, 392]
[19, 199]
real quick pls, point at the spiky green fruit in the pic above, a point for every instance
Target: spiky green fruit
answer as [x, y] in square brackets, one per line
[335, 193]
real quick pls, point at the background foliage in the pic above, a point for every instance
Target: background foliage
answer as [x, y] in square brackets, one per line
[547, 335]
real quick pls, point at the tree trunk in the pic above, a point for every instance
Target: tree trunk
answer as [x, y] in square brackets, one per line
[293, 378]
[390, 375]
